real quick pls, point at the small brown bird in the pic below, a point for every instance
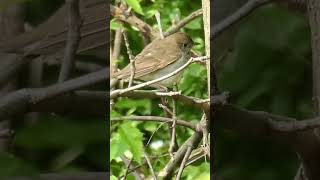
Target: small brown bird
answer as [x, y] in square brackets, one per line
[159, 58]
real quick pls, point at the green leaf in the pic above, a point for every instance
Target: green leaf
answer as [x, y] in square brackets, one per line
[150, 13]
[135, 6]
[197, 172]
[113, 177]
[114, 25]
[117, 147]
[142, 106]
[195, 24]
[150, 126]
[132, 137]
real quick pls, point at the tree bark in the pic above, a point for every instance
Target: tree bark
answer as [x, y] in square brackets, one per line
[11, 24]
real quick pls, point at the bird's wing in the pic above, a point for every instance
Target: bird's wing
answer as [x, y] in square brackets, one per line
[150, 60]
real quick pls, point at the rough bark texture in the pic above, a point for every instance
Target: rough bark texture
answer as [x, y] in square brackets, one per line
[310, 157]
[11, 24]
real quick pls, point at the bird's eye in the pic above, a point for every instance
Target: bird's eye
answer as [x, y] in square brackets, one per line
[184, 45]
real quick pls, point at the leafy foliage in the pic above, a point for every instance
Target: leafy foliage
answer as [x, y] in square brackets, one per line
[150, 136]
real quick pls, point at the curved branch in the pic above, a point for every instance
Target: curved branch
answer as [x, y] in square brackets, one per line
[183, 22]
[19, 101]
[73, 39]
[261, 123]
[155, 119]
[133, 20]
[237, 16]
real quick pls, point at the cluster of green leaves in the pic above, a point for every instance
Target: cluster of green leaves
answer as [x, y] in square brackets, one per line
[269, 69]
[130, 137]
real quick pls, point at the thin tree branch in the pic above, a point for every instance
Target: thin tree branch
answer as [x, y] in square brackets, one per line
[193, 141]
[150, 166]
[18, 102]
[155, 119]
[184, 162]
[123, 15]
[261, 123]
[237, 16]
[130, 168]
[183, 22]
[116, 50]
[73, 39]
[131, 57]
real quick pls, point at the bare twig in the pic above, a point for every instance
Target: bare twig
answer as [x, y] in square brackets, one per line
[184, 162]
[154, 133]
[155, 119]
[22, 98]
[116, 50]
[193, 141]
[173, 142]
[150, 166]
[74, 23]
[237, 16]
[159, 24]
[128, 167]
[166, 109]
[131, 57]
[262, 123]
[131, 19]
[183, 22]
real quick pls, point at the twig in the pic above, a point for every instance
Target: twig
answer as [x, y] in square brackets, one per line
[196, 156]
[173, 143]
[150, 166]
[237, 16]
[131, 57]
[154, 133]
[183, 22]
[261, 123]
[159, 24]
[128, 166]
[184, 162]
[118, 92]
[24, 98]
[116, 50]
[166, 109]
[187, 100]
[130, 169]
[155, 119]
[193, 141]
[131, 19]
[74, 23]
[168, 94]
[203, 126]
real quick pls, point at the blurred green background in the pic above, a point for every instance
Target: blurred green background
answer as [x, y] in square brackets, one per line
[54, 142]
[269, 69]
